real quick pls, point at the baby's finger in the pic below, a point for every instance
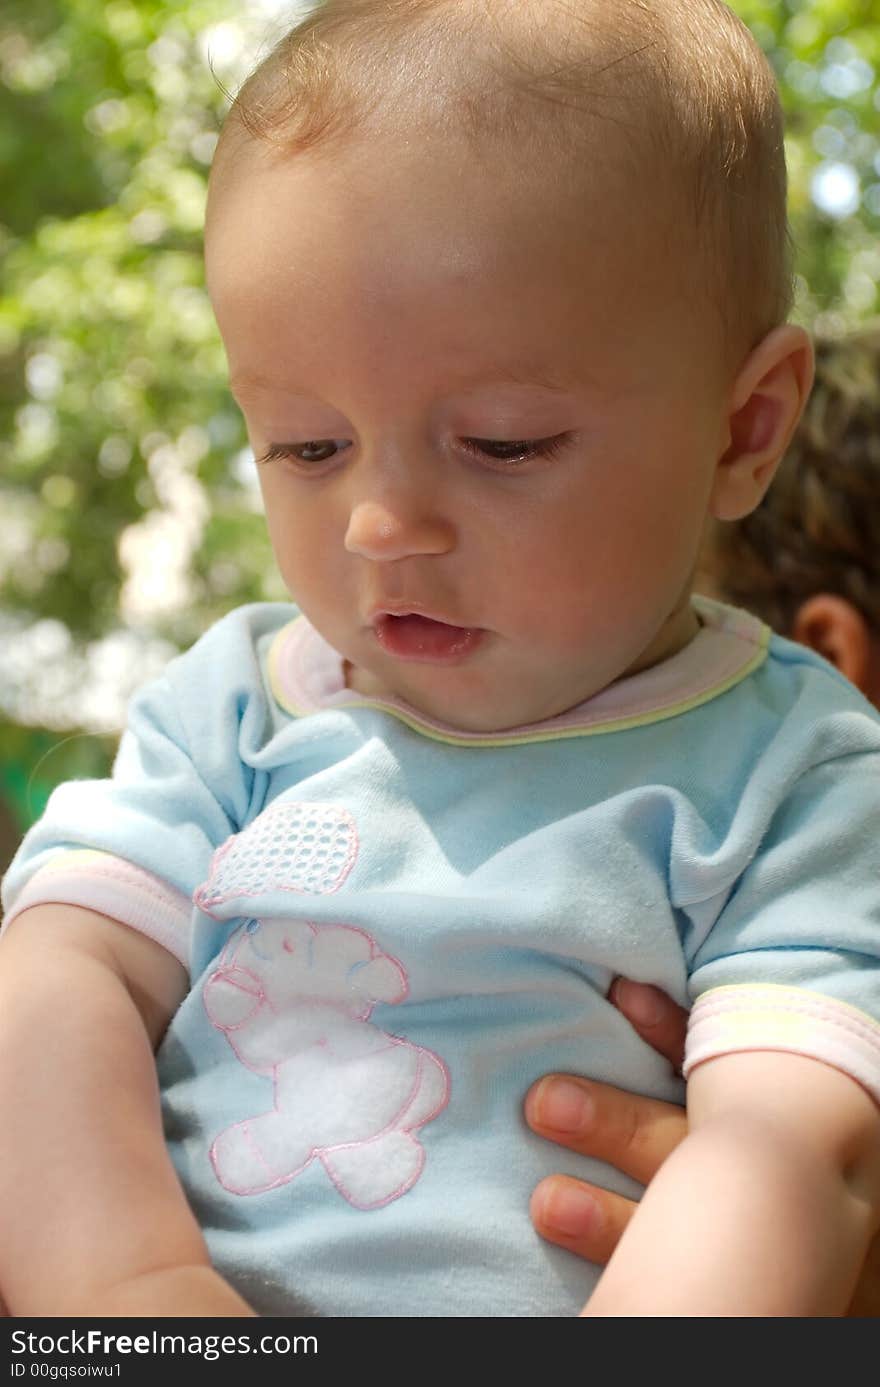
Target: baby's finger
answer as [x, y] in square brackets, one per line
[660, 1022]
[581, 1218]
[631, 1133]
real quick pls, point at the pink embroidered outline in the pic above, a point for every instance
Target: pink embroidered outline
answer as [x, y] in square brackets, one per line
[324, 1154]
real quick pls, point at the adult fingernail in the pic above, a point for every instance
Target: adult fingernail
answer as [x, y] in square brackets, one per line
[566, 1207]
[641, 1003]
[562, 1104]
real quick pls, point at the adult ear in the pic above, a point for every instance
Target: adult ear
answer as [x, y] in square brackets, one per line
[836, 629]
[766, 402]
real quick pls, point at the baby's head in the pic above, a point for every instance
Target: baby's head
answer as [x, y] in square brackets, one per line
[675, 93]
[502, 285]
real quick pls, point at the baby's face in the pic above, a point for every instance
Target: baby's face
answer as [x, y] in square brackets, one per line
[489, 420]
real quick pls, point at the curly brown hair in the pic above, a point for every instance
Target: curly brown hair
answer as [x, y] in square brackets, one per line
[818, 527]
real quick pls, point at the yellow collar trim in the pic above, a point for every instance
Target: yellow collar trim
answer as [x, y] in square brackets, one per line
[736, 644]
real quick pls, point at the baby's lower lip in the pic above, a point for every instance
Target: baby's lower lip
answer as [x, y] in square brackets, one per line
[413, 637]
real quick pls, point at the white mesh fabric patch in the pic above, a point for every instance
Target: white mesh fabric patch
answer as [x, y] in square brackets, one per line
[292, 846]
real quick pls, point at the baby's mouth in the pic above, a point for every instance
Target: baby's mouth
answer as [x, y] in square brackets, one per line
[410, 636]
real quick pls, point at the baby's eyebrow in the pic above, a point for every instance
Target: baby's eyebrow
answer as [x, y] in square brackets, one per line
[525, 377]
[246, 381]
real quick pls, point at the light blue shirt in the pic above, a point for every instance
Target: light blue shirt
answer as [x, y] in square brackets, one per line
[393, 929]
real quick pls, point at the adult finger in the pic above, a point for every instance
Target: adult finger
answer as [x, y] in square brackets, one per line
[657, 1019]
[579, 1217]
[631, 1133]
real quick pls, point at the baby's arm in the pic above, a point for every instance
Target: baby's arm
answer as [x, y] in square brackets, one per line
[767, 1207]
[93, 1220]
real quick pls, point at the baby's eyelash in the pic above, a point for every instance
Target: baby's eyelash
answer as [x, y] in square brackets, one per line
[326, 447]
[505, 452]
[516, 450]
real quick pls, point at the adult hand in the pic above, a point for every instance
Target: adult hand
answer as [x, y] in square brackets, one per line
[631, 1133]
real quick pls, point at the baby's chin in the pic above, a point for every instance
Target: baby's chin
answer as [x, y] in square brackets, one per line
[459, 711]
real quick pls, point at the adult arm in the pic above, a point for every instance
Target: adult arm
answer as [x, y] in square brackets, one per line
[93, 1220]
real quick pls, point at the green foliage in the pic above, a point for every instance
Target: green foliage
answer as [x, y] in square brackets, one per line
[108, 114]
[113, 408]
[35, 761]
[826, 54]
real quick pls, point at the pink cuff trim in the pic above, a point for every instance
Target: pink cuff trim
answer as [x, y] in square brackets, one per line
[114, 887]
[772, 1017]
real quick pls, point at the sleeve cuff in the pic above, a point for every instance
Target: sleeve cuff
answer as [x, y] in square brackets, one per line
[772, 1017]
[114, 887]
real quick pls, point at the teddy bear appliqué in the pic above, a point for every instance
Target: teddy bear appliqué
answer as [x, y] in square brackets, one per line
[294, 1001]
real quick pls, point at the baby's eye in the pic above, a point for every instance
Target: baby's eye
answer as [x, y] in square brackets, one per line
[514, 450]
[314, 450]
[317, 449]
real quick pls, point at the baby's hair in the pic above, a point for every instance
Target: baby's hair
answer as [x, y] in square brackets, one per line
[818, 527]
[682, 79]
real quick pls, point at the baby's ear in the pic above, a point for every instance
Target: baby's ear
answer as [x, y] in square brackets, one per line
[766, 402]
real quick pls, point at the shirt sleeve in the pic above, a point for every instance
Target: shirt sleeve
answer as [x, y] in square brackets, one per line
[793, 959]
[136, 846]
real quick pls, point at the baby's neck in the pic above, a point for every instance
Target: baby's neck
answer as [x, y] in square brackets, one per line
[679, 629]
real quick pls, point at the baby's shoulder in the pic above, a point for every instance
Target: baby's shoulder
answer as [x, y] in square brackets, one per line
[811, 694]
[229, 658]
[797, 724]
[217, 691]
[248, 629]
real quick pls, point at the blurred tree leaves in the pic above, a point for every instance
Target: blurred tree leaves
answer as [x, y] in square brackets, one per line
[113, 408]
[119, 446]
[826, 54]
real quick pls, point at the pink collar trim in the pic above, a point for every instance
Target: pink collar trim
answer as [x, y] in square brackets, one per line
[307, 676]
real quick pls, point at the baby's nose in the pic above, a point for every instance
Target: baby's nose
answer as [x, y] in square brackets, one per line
[385, 530]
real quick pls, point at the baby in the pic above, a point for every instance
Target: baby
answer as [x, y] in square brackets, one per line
[504, 288]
